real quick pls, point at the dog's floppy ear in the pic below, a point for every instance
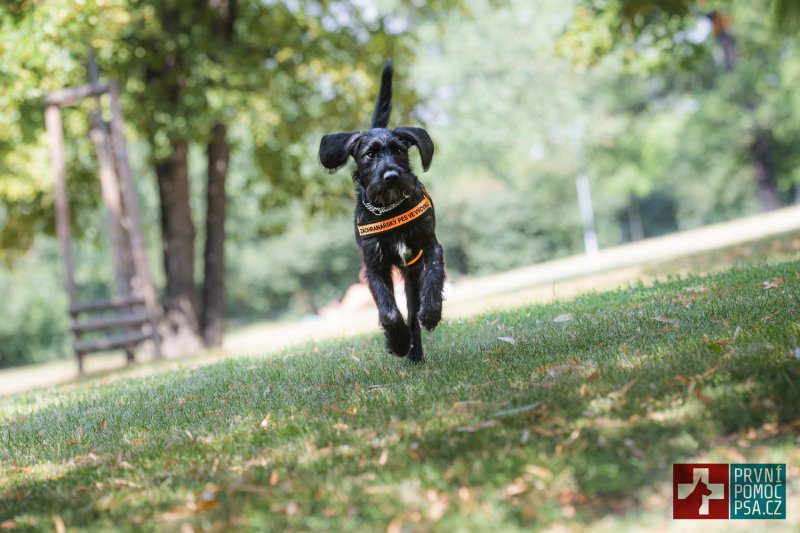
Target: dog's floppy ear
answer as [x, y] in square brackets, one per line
[420, 138]
[335, 148]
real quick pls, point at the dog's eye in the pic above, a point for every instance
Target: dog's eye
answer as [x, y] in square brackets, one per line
[397, 150]
[370, 155]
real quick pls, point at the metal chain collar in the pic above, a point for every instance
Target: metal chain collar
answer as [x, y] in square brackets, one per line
[378, 211]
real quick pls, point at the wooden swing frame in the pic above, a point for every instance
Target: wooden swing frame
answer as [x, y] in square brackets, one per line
[133, 312]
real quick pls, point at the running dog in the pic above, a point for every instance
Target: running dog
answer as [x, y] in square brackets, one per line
[394, 221]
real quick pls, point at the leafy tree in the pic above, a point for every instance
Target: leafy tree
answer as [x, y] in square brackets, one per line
[506, 114]
[191, 69]
[727, 61]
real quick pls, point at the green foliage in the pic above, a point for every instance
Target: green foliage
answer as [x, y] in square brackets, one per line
[503, 229]
[594, 408]
[297, 272]
[683, 120]
[288, 72]
[652, 35]
[34, 325]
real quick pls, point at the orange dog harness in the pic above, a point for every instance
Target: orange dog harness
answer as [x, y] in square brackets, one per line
[414, 213]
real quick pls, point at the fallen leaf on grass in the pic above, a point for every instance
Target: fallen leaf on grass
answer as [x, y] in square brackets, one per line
[88, 458]
[273, 478]
[620, 392]
[118, 483]
[696, 290]
[563, 317]
[472, 428]
[182, 401]
[715, 345]
[204, 501]
[383, 458]
[439, 504]
[102, 424]
[517, 410]
[465, 406]
[539, 471]
[395, 525]
[574, 365]
[544, 431]
[265, 423]
[774, 283]
[517, 487]
[206, 505]
[674, 322]
[251, 488]
[508, 340]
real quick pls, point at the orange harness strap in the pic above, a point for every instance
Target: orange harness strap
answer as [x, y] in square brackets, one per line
[416, 258]
[392, 223]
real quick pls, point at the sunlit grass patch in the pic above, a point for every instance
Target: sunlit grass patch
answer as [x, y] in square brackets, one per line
[548, 414]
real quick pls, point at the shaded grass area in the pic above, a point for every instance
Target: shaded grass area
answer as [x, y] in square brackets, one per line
[568, 413]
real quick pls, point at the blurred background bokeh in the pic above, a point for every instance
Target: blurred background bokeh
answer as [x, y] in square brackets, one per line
[677, 114]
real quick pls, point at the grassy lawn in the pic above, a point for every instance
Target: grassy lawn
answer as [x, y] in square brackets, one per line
[568, 414]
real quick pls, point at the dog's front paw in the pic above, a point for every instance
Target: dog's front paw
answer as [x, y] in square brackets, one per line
[416, 354]
[398, 334]
[398, 339]
[430, 316]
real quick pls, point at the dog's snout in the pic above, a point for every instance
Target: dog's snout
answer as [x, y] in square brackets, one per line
[391, 175]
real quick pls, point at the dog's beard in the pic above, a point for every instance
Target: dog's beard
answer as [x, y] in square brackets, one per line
[380, 194]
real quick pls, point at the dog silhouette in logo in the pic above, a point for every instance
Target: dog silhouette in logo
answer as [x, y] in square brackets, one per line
[696, 499]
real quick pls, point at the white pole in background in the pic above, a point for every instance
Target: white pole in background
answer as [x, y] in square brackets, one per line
[587, 214]
[590, 244]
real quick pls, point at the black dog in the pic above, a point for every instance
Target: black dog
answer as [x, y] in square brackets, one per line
[394, 220]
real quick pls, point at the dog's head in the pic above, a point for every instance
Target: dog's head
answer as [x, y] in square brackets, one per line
[381, 155]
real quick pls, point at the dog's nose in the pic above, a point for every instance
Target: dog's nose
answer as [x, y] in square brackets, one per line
[390, 175]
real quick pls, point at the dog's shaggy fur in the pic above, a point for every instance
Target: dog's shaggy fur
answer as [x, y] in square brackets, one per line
[386, 187]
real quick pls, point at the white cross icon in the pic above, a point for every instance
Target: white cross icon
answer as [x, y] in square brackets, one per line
[701, 474]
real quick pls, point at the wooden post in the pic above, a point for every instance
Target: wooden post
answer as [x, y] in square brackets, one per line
[55, 134]
[109, 185]
[124, 269]
[132, 207]
[71, 95]
[111, 197]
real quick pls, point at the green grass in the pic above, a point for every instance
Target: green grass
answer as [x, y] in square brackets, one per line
[561, 414]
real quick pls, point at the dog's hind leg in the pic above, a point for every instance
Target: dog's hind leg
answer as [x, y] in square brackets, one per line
[430, 312]
[397, 333]
[412, 280]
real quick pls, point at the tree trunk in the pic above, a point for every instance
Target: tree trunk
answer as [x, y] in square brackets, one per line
[721, 23]
[177, 237]
[214, 279]
[762, 171]
[218, 151]
[635, 220]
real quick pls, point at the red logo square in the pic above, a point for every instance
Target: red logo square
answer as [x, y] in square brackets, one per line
[700, 491]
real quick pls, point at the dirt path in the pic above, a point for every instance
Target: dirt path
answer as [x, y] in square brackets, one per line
[560, 279]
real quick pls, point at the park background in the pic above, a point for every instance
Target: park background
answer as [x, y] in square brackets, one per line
[562, 384]
[680, 114]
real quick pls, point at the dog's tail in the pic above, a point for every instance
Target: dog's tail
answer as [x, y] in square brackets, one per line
[383, 106]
